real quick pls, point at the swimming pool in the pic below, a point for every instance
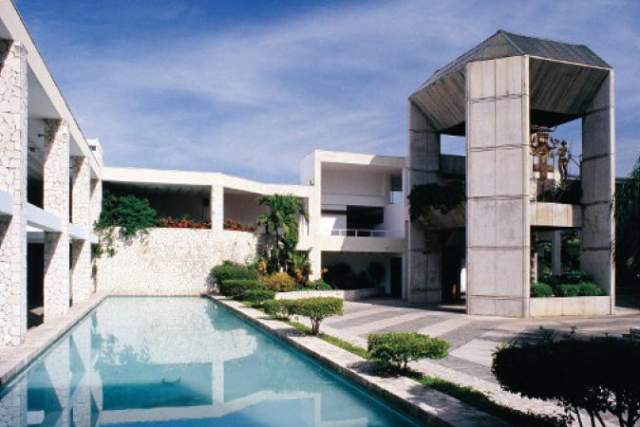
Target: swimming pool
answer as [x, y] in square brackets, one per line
[142, 361]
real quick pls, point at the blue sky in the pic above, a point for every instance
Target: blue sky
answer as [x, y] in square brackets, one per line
[250, 87]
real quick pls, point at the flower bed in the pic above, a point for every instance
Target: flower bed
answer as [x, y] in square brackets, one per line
[170, 222]
[232, 225]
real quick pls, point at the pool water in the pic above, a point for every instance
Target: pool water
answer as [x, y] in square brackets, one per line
[181, 362]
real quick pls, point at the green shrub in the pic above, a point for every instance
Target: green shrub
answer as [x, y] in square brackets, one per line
[257, 296]
[230, 270]
[567, 290]
[316, 285]
[279, 282]
[396, 349]
[236, 288]
[317, 309]
[596, 375]
[281, 309]
[541, 290]
[588, 289]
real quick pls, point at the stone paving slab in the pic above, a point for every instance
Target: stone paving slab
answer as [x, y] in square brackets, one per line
[39, 338]
[432, 406]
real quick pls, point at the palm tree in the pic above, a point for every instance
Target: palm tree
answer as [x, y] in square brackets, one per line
[628, 227]
[281, 227]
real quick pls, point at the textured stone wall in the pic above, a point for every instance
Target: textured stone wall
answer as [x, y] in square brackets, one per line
[81, 283]
[171, 261]
[56, 201]
[13, 180]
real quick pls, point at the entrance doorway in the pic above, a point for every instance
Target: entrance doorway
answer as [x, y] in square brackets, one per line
[396, 277]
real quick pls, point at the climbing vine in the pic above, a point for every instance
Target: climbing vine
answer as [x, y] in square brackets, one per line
[128, 214]
[426, 199]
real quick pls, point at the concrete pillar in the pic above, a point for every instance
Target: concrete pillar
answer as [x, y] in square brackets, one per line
[81, 286]
[56, 201]
[14, 406]
[217, 208]
[96, 200]
[13, 180]
[598, 186]
[498, 173]
[81, 345]
[57, 365]
[424, 256]
[556, 252]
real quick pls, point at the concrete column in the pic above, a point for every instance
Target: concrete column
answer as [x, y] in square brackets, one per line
[56, 201]
[598, 186]
[498, 171]
[13, 180]
[80, 342]
[57, 365]
[81, 286]
[556, 252]
[217, 208]
[424, 252]
[14, 406]
[96, 200]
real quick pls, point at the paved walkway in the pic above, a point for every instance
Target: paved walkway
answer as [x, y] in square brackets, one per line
[472, 339]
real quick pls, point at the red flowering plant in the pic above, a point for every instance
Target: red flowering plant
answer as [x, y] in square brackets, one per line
[232, 225]
[184, 222]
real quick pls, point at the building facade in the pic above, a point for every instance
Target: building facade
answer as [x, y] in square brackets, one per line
[498, 95]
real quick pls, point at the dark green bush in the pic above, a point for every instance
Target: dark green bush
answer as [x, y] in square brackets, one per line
[397, 349]
[236, 288]
[596, 375]
[541, 290]
[566, 290]
[319, 285]
[230, 270]
[317, 309]
[257, 296]
[279, 308]
[588, 289]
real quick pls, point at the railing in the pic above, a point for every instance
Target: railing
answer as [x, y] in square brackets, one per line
[354, 232]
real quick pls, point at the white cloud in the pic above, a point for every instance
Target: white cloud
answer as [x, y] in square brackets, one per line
[253, 101]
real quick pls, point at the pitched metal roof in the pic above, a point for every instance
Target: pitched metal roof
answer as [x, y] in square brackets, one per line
[503, 44]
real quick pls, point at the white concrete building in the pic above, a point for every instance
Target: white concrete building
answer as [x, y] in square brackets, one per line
[52, 179]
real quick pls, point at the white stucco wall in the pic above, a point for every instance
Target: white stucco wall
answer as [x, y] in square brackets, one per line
[170, 261]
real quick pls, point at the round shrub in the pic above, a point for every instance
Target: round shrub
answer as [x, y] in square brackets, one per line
[230, 270]
[541, 290]
[568, 290]
[596, 375]
[396, 349]
[279, 308]
[279, 282]
[236, 288]
[317, 309]
[257, 296]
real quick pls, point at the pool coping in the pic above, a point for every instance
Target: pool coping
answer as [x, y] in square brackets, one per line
[425, 404]
[40, 338]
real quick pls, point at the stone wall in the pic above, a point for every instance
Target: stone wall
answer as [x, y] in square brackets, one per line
[171, 261]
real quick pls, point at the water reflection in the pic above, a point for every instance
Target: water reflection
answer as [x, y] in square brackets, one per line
[179, 361]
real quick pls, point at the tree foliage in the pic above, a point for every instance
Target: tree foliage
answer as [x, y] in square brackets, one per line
[317, 309]
[628, 227]
[281, 225]
[598, 375]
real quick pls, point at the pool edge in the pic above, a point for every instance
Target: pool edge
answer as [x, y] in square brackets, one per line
[13, 360]
[450, 411]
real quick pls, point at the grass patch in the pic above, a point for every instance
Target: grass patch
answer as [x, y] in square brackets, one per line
[480, 401]
[345, 345]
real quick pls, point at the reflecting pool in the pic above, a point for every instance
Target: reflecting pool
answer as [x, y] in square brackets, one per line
[181, 362]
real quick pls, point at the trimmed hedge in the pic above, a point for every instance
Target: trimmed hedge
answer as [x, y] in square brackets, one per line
[229, 270]
[579, 290]
[279, 282]
[257, 296]
[317, 309]
[396, 349]
[281, 309]
[236, 288]
[541, 290]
